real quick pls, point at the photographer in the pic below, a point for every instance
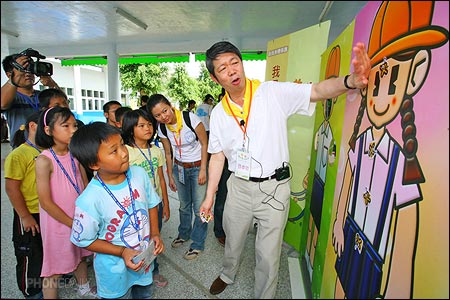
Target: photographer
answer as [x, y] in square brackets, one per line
[18, 98]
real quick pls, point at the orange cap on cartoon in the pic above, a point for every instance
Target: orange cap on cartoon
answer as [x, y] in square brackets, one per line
[333, 63]
[402, 26]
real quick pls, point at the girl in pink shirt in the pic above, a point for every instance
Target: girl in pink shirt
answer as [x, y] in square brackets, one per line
[60, 179]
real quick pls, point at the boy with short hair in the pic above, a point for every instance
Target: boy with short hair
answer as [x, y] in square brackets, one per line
[116, 215]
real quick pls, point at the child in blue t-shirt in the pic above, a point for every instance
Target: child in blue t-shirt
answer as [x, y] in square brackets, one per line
[116, 215]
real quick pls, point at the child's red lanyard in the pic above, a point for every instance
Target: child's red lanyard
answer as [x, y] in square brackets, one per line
[178, 143]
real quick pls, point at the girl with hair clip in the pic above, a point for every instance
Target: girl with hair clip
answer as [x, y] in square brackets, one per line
[20, 186]
[60, 179]
[138, 133]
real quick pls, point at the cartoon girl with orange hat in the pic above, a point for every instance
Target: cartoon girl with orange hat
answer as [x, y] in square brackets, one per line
[376, 226]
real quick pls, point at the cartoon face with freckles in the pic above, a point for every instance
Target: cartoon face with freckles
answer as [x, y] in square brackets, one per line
[386, 90]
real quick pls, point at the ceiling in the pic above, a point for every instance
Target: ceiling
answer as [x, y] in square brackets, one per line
[86, 28]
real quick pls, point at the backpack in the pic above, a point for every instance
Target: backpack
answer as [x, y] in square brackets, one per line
[186, 119]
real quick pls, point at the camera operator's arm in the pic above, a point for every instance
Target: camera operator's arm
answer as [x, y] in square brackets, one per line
[9, 89]
[48, 81]
[8, 93]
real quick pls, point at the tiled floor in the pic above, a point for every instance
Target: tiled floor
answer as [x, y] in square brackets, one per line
[187, 279]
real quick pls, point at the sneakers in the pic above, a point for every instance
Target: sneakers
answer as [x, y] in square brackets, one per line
[177, 242]
[159, 280]
[192, 254]
[90, 293]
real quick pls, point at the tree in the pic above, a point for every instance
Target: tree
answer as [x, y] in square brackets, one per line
[206, 84]
[144, 78]
[148, 79]
[181, 87]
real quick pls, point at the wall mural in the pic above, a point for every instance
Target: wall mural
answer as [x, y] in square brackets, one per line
[389, 226]
[293, 58]
[324, 159]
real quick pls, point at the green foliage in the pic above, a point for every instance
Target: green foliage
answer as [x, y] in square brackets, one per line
[182, 87]
[143, 78]
[178, 86]
[207, 85]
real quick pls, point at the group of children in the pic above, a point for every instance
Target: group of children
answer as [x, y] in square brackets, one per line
[61, 217]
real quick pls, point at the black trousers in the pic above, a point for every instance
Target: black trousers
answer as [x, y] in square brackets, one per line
[219, 204]
[29, 256]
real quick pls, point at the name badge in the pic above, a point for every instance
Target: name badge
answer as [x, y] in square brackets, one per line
[180, 173]
[243, 163]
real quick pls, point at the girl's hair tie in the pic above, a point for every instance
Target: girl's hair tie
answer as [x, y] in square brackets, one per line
[22, 127]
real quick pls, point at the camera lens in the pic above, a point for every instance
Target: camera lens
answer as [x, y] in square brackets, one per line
[43, 69]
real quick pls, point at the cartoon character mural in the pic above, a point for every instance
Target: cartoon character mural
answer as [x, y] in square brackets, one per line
[325, 146]
[377, 219]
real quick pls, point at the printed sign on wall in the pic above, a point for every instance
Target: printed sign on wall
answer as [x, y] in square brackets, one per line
[294, 58]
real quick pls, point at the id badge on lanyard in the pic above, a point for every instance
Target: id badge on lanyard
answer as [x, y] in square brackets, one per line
[179, 168]
[243, 164]
[180, 173]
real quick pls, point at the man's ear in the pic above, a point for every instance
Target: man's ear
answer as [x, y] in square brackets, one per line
[419, 71]
[106, 115]
[213, 78]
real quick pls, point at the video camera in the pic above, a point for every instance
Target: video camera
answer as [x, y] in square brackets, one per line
[37, 67]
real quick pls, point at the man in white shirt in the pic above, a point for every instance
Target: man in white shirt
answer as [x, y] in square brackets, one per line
[249, 128]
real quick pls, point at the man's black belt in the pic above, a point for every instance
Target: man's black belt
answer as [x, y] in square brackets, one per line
[261, 179]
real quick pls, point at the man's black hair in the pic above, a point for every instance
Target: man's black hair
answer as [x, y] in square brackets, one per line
[86, 141]
[108, 104]
[217, 49]
[7, 63]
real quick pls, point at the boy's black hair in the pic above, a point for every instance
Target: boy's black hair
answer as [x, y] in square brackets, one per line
[42, 139]
[86, 141]
[120, 112]
[47, 94]
[217, 49]
[130, 120]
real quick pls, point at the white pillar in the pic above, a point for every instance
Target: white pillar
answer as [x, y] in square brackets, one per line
[78, 106]
[113, 76]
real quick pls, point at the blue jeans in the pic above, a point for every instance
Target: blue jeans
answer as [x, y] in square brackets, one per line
[139, 292]
[191, 196]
